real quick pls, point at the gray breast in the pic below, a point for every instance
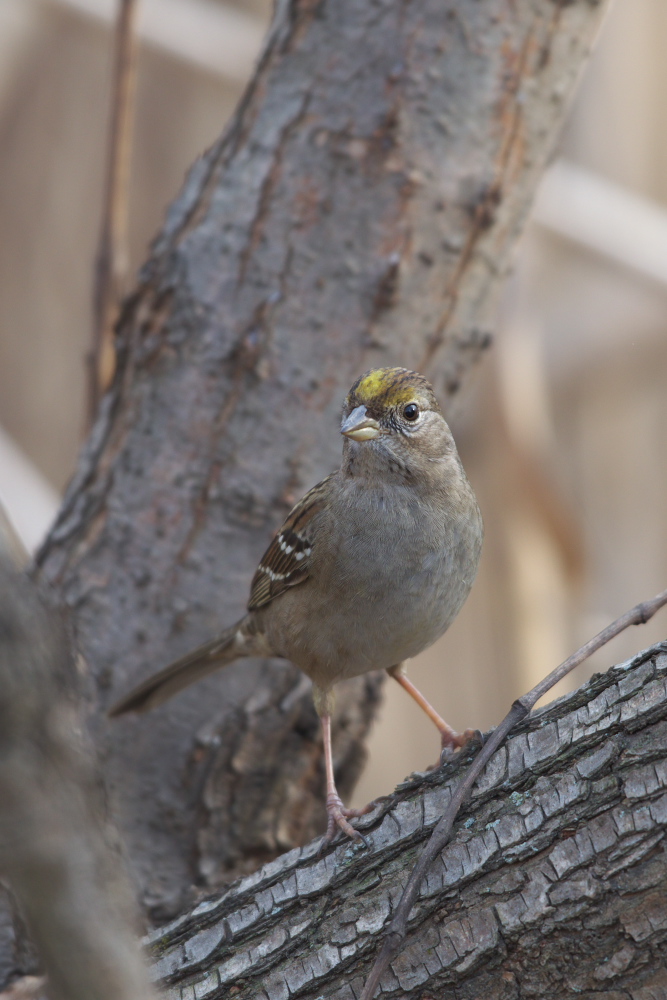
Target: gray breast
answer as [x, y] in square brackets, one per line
[387, 583]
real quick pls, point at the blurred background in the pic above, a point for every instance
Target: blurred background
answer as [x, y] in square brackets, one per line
[563, 433]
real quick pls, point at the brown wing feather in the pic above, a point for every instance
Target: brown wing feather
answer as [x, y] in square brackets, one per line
[286, 561]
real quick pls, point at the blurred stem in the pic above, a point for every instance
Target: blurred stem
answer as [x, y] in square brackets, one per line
[111, 264]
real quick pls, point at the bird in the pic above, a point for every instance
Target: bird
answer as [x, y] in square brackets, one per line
[369, 568]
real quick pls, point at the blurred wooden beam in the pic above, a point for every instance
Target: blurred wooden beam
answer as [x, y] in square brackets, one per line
[212, 37]
[604, 217]
[29, 501]
[19, 24]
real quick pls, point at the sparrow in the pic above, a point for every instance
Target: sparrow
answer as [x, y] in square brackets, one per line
[369, 568]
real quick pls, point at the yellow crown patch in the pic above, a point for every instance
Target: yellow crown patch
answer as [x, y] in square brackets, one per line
[389, 387]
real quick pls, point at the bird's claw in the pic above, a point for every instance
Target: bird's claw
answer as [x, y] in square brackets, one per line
[451, 742]
[338, 820]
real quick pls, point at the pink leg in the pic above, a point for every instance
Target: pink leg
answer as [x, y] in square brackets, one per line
[449, 738]
[336, 811]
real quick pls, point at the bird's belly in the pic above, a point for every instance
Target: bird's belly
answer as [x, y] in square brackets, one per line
[376, 622]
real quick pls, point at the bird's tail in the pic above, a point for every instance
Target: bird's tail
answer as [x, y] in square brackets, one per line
[237, 641]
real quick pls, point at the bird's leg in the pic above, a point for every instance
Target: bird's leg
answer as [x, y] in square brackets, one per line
[449, 738]
[336, 811]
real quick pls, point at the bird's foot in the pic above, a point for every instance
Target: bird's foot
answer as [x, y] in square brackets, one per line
[452, 741]
[338, 820]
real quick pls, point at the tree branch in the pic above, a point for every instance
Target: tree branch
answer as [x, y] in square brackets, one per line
[359, 211]
[638, 615]
[553, 883]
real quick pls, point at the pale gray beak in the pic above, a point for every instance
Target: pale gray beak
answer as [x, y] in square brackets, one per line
[359, 426]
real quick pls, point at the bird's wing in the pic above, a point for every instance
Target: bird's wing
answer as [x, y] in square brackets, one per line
[286, 561]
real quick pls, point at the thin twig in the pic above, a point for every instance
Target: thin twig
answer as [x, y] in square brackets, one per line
[442, 832]
[111, 264]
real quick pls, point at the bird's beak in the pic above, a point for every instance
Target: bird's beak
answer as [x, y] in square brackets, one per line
[359, 426]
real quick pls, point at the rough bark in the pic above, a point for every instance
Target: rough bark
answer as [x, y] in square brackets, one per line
[553, 884]
[359, 210]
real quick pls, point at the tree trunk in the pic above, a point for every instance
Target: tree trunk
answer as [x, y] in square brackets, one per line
[359, 211]
[554, 883]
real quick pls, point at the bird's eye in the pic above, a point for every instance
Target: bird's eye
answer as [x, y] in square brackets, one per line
[411, 411]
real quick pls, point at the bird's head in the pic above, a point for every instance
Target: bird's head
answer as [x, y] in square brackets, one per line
[394, 413]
